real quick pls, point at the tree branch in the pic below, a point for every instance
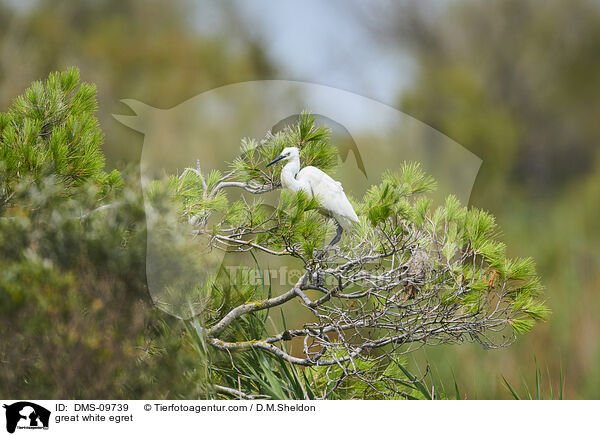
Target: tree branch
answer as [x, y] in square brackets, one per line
[254, 307]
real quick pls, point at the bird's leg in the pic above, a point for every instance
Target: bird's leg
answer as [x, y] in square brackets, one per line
[338, 228]
[338, 234]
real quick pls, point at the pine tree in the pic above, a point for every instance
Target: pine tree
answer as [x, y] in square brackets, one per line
[52, 129]
[409, 275]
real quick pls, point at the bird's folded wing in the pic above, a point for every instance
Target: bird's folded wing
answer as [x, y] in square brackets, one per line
[330, 192]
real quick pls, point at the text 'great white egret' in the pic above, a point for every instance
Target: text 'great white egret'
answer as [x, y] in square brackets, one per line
[315, 182]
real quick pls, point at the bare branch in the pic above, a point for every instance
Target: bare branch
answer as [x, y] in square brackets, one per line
[254, 307]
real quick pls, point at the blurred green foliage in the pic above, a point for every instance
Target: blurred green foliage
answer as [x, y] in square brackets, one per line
[517, 83]
[75, 316]
[149, 50]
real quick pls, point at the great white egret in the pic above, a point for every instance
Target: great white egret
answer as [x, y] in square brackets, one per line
[315, 182]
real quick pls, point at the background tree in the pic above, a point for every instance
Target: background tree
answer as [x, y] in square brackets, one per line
[144, 49]
[517, 84]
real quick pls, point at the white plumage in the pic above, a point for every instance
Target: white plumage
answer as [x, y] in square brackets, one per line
[315, 182]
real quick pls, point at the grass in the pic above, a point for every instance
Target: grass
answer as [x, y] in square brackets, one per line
[539, 387]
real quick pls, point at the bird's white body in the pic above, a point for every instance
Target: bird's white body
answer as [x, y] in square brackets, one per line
[317, 183]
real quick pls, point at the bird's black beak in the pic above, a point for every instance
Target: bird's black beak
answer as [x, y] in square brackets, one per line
[277, 159]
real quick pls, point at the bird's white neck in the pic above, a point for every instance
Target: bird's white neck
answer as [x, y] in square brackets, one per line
[288, 175]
